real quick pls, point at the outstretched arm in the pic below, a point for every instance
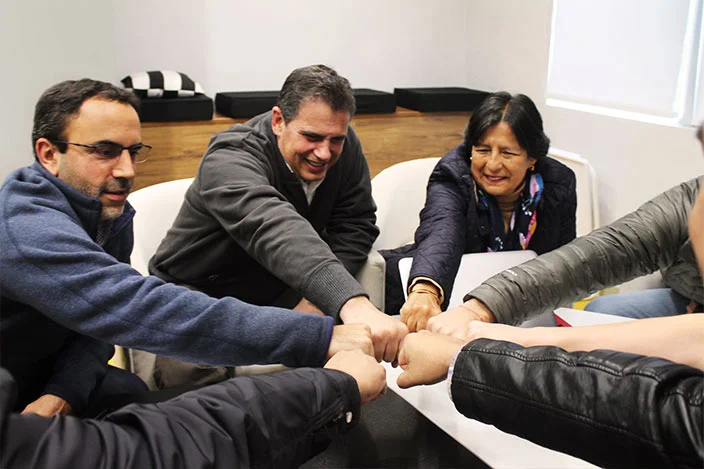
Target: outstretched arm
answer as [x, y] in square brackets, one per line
[277, 420]
[637, 244]
[612, 409]
[588, 404]
[676, 338]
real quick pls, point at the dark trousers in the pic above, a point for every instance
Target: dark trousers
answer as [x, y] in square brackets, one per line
[117, 388]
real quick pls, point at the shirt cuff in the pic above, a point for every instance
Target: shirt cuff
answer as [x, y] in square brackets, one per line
[450, 371]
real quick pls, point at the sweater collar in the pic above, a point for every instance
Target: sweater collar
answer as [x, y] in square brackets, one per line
[88, 209]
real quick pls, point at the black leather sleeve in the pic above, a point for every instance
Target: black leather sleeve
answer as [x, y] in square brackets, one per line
[267, 421]
[610, 408]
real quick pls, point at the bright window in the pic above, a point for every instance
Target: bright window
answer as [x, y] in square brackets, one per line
[638, 59]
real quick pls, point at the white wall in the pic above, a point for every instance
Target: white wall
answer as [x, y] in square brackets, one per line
[235, 45]
[243, 45]
[43, 42]
[634, 161]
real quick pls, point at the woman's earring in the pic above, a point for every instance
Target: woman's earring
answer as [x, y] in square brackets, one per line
[532, 168]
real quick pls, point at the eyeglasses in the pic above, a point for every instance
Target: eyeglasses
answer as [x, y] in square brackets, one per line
[111, 151]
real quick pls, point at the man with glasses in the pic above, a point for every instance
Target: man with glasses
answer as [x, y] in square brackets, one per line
[68, 291]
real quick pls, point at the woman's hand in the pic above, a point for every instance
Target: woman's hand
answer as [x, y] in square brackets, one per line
[455, 322]
[418, 308]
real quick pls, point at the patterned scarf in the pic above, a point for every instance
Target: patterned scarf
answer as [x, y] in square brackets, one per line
[524, 220]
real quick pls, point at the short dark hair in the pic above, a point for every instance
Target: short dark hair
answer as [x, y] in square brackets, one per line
[519, 112]
[62, 102]
[315, 81]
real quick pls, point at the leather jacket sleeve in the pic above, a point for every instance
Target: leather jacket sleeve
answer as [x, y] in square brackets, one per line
[613, 409]
[653, 237]
[267, 421]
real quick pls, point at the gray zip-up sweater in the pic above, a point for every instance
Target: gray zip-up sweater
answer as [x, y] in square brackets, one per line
[246, 230]
[652, 238]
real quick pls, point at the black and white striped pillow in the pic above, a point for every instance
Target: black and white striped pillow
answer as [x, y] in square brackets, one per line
[162, 84]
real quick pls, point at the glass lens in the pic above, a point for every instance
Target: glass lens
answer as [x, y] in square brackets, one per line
[139, 153]
[108, 150]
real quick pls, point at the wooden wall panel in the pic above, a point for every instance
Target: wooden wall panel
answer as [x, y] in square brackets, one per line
[386, 139]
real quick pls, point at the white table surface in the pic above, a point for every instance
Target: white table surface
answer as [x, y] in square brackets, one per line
[577, 317]
[498, 449]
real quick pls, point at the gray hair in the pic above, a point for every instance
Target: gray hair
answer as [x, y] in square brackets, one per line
[315, 82]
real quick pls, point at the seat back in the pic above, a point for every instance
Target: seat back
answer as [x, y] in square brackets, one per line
[587, 200]
[157, 207]
[399, 193]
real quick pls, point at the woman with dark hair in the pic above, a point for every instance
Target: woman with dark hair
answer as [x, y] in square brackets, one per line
[497, 191]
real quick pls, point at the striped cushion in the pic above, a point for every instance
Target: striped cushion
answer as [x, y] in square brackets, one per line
[162, 84]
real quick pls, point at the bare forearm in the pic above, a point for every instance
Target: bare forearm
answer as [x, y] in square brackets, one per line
[678, 338]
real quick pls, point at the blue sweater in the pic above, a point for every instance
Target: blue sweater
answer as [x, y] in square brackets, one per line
[64, 298]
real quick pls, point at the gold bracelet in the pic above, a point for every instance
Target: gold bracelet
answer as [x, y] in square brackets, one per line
[430, 292]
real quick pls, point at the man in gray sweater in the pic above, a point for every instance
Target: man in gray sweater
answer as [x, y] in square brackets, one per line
[280, 213]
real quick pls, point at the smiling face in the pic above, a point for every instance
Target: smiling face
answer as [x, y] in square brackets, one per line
[110, 181]
[312, 142]
[499, 163]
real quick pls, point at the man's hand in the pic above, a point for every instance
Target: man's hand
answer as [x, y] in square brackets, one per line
[425, 358]
[305, 306]
[48, 405]
[370, 376]
[455, 322]
[387, 332]
[418, 308]
[351, 337]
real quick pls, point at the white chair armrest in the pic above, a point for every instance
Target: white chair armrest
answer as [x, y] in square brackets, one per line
[372, 277]
[142, 364]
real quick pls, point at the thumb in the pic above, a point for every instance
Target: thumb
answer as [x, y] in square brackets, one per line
[405, 380]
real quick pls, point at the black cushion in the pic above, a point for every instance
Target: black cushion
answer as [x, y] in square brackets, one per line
[373, 101]
[245, 103]
[439, 99]
[198, 107]
[251, 103]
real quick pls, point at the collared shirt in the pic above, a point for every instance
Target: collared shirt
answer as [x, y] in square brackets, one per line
[309, 187]
[450, 372]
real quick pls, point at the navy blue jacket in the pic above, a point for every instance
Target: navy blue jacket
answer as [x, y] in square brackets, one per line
[453, 224]
[64, 298]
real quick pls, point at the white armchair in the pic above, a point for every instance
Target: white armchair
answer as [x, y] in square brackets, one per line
[399, 193]
[156, 207]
